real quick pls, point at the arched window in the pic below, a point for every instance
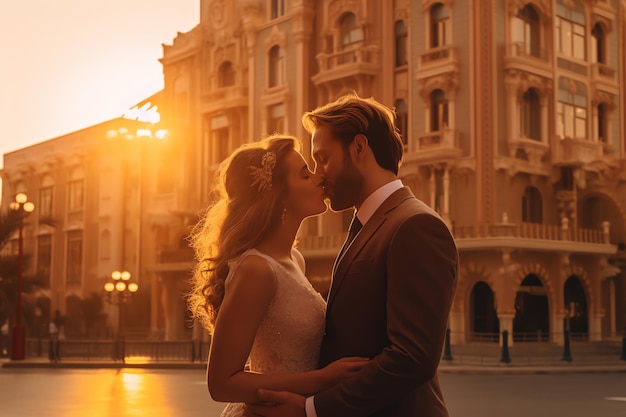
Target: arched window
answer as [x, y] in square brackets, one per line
[402, 119]
[276, 66]
[439, 23]
[226, 75]
[570, 28]
[532, 211]
[401, 43]
[531, 115]
[598, 46]
[350, 32]
[571, 109]
[439, 111]
[526, 31]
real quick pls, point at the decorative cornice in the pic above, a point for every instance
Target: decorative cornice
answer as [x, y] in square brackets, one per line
[276, 37]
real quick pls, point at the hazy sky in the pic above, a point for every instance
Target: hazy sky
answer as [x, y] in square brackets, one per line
[69, 64]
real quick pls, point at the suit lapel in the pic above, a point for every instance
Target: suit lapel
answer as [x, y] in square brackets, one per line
[373, 224]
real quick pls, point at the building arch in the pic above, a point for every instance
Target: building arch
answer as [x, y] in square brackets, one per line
[483, 318]
[532, 310]
[470, 274]
[575, 302]
[580, 273]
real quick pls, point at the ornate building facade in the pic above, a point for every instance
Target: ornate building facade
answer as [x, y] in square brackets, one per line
[513, 115]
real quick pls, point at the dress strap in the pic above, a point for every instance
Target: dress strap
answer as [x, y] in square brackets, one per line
[234, 264]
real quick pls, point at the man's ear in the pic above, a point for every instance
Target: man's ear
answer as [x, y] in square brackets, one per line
[360, 144]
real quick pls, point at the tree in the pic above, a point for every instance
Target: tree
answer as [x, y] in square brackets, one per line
[9, 224]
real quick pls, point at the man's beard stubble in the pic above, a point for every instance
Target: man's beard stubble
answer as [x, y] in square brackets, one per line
[347, 187]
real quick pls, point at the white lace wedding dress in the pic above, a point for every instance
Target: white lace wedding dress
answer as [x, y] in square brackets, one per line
[290, 335]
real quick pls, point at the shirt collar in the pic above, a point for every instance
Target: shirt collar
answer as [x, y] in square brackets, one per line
[376, 199]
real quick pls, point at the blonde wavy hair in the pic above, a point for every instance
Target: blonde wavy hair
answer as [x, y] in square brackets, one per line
[240, 217]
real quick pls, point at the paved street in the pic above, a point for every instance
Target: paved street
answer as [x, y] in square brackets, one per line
[182, 393]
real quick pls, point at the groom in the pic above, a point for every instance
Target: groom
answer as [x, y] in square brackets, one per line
[392, 285]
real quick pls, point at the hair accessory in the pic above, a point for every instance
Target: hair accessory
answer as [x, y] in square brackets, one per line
[262, 177]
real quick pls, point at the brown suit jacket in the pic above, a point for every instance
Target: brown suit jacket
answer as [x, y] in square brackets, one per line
[389, 300]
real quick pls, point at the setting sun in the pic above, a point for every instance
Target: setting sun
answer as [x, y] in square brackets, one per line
[80, 63]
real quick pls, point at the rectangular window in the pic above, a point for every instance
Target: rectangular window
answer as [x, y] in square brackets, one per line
[277, 8]
[571, 37]
[580, 128]
[578, 42]
[76, 195]
[44, 259]
[74, 258]
[571, 121]
[45, 203]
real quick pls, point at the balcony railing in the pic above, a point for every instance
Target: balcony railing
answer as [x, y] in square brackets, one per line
[176, 256]
[489, 236]
[436, 55]
[434, 146]
[599, 70]
[535, 231]
[321, 243]
[349, 56]
[577, 151]
[521, 49]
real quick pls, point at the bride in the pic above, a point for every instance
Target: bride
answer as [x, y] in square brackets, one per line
[250, 290]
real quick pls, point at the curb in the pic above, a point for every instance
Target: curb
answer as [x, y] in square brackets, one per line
[529, 370]
[100, 365]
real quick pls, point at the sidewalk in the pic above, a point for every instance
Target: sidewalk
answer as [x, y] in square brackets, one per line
[526, 358]
[476, 358]
[97, 364]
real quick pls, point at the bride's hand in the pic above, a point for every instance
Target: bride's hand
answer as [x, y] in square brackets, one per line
[341, 369]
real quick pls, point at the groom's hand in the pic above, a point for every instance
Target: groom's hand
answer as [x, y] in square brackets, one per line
[278, 404]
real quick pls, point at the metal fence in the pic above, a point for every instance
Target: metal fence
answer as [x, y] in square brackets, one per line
[118, 350]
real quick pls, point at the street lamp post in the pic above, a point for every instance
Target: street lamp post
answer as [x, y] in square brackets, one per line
[119, 291]
[23, 206]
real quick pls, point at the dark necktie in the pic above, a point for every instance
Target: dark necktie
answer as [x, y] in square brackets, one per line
[355, 226]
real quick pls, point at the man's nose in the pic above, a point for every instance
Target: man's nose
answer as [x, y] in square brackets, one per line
[318, 178]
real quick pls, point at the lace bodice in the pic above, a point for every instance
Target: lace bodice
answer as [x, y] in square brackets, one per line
[289, 337]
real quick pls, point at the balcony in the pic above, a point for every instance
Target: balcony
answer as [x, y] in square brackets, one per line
[576, 152]
[534, 150]
[349, 62]
[604, 78]
[181, 259]
[520, 56]
[434, 147]
[438, 60]
[321, 246]
[224, 98]
[535, 237]
[524, 236]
